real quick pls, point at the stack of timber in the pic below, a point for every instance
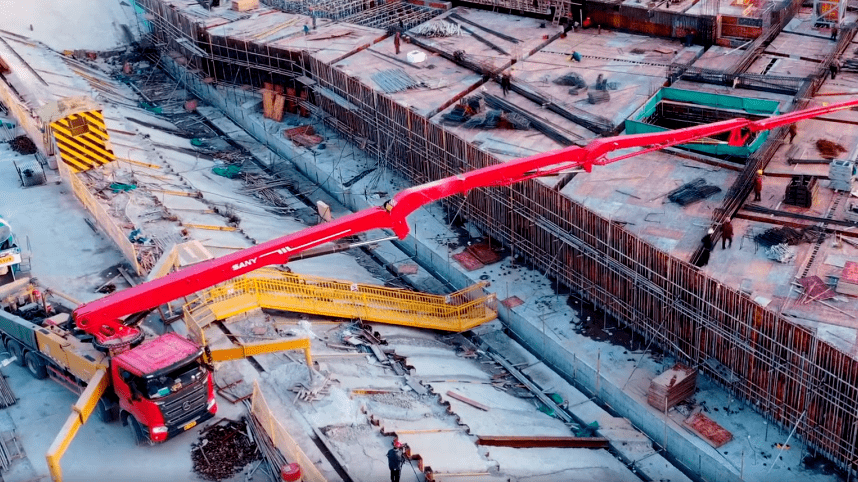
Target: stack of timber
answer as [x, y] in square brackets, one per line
[672, 387]
[273, 101]
[303, 136]
[244, 5]
[848, 282]
[708, 429]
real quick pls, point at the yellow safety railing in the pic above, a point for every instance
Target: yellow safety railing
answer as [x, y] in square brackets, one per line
[81, 411]
[262, 347]
[102, 217]
[196, 331]
[281, 438]
[272, 289]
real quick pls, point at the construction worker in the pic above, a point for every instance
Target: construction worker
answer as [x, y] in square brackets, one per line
[758, 185]
[396, 38]
[306, 29]
[834, 32]
[726, 234]
[505, 82]
[834, 67]
[707, 248]
[395, 460]
[793, 130]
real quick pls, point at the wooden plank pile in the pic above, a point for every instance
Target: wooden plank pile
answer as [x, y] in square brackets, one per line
[672, 387]
[273, 101]
[303, 136]
[848, 282]
[708, 429]
[244, 5]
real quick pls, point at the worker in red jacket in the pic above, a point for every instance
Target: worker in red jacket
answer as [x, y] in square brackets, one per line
[726, 234]
[758, 185]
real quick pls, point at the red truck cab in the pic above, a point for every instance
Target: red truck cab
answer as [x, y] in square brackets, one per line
[163, 387]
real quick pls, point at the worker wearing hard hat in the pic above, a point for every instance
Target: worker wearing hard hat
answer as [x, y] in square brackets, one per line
[758, 185]
[395, 460]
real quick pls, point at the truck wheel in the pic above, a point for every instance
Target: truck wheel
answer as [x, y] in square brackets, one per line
[136, 430]
[106, 411]
[36, 366]
[15, 350]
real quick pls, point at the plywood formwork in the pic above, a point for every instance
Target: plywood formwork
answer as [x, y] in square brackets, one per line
[796, 379]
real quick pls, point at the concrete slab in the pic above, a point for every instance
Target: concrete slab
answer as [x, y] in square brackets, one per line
[448, 452]
[551, 464]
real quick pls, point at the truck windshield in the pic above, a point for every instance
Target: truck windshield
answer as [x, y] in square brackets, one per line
[170, 382]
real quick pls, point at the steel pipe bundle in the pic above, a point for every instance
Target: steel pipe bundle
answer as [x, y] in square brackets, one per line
[7, 398]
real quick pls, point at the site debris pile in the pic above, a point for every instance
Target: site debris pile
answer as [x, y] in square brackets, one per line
[829, 149]
[775, 236]
[223, 450]
[23, 145]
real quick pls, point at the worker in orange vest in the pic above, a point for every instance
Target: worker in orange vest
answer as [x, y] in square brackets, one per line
[758, 185]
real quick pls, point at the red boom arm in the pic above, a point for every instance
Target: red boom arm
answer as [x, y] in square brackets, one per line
[102, 317]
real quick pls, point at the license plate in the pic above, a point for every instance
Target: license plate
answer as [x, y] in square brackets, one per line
[7, 259]
[190, 425]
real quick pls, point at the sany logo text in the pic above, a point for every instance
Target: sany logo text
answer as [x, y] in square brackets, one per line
[243, 264]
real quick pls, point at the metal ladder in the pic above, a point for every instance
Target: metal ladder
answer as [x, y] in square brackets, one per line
[559, 12]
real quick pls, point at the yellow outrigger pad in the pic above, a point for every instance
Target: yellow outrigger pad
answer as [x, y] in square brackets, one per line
[80, 134]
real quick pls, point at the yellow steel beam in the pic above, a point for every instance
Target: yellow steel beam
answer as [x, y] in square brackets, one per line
[262, 347]
[81, 411]
[178, 193]
[138, 163]
[209, 227]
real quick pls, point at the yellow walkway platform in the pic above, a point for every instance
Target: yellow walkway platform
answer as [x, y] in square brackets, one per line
[273, 289]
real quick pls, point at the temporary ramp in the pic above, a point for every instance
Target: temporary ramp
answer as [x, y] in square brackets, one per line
[272, 289]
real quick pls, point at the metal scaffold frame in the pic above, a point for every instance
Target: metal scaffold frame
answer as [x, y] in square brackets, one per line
[389, 15]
